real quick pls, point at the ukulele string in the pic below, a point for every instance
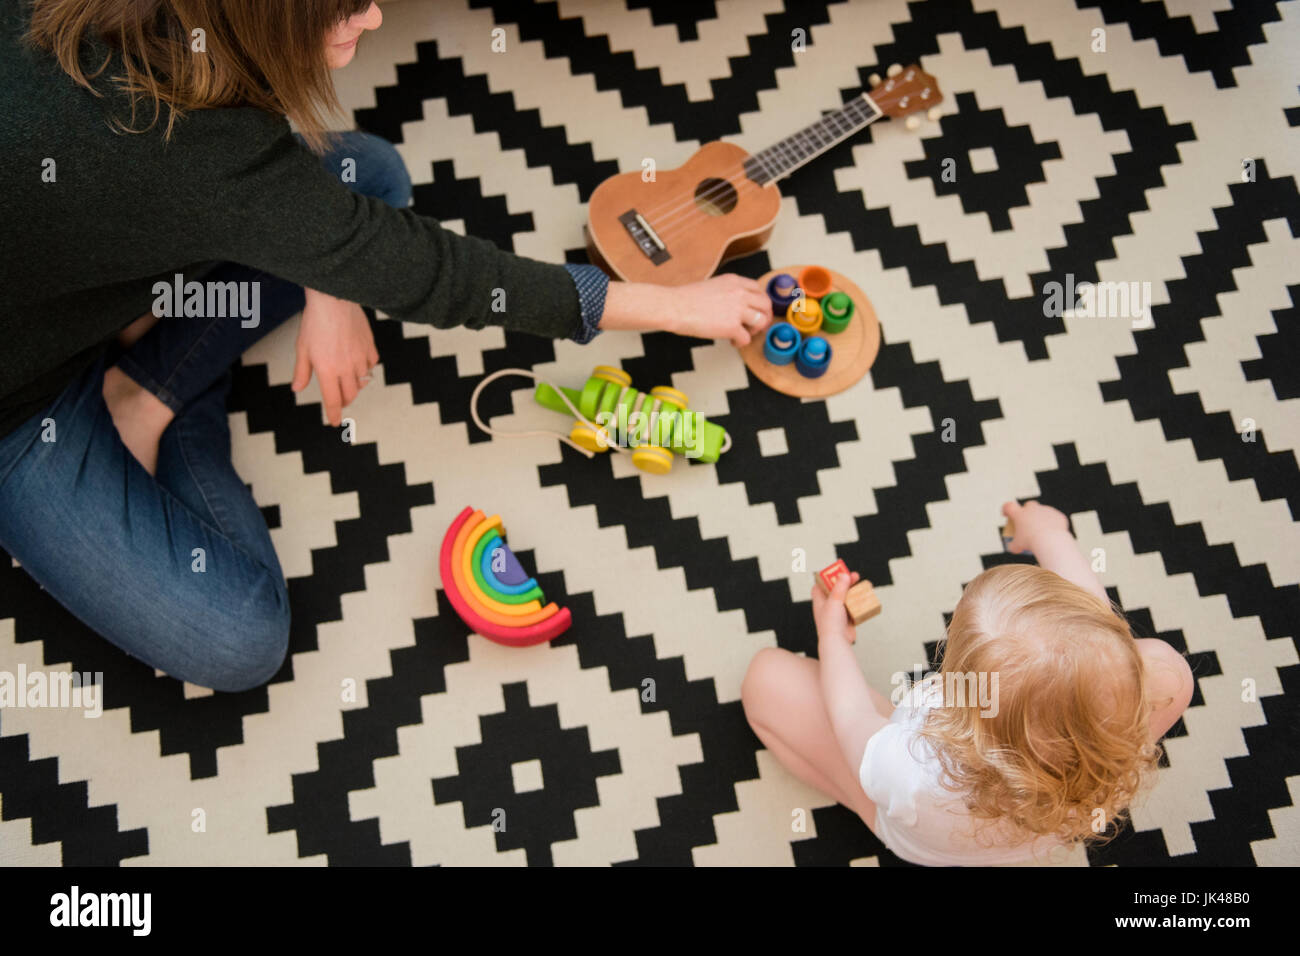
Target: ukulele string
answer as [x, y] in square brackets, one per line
[666, 215]
[667, 223]
[675, 218]
[669, 210]
[680, 219]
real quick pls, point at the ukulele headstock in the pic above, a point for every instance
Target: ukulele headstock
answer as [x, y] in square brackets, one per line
[907, 90]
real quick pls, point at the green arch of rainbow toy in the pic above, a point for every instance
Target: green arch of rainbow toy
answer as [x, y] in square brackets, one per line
[510, 614]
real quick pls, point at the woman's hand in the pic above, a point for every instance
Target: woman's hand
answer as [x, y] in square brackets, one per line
[829, 614]
[724, 307]
[1033, 523]
[335, 340]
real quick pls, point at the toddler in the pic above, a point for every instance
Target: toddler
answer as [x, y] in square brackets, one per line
[1038, 730]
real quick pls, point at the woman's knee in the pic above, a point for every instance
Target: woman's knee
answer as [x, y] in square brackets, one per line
[369, 165]
[254, 646]
[381, 171]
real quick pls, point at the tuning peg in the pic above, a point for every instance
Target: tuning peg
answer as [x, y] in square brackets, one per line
[894, 69]
[932, 114]
[874, 79]
[912, 122]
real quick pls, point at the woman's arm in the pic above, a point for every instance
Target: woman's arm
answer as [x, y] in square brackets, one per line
[724, 307]
[282, 212]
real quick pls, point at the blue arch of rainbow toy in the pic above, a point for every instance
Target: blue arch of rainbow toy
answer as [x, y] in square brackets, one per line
[489, 575]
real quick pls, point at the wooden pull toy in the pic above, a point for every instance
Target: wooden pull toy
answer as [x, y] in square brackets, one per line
[861, 602]
[612, 416]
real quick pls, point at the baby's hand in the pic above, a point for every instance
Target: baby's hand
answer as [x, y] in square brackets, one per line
[829, 615]
[1032, 521]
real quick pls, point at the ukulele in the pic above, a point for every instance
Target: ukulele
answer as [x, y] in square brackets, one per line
[680, 225]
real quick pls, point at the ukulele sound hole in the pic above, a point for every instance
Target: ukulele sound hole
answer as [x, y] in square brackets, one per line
[717, 197]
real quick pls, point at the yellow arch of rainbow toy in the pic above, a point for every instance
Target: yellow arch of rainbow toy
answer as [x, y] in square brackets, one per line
[488, 607]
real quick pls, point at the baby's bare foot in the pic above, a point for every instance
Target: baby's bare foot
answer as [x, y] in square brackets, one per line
[139, 416]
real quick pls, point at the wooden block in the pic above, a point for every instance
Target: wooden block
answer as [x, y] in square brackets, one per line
[861, 602]
[1009, 535]
[828, 575]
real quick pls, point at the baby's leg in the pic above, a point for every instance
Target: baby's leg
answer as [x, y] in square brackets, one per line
[782, 696]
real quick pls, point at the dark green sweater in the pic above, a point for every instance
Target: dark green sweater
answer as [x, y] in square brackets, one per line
[79, 256]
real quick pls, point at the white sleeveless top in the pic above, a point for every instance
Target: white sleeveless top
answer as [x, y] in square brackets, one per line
[916, 817]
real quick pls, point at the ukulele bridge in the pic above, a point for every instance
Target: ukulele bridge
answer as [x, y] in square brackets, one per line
[646, 239]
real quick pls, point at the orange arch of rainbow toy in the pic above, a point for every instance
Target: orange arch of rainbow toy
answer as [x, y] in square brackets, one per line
[515, 625]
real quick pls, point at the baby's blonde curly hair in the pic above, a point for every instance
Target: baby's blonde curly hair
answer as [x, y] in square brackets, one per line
[1067, 747]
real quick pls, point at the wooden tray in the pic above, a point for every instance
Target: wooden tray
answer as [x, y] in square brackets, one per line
[852, 351]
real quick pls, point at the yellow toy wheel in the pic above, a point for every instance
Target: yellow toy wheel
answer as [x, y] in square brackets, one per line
[666, 393]
[652, 458]
[610, 374]
[592, 439]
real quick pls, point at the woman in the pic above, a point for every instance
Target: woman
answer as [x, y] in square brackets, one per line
[159, 177]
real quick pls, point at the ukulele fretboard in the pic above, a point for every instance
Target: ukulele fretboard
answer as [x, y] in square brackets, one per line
[784, 157]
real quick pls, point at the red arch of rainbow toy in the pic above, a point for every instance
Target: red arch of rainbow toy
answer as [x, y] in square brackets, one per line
[550, 622]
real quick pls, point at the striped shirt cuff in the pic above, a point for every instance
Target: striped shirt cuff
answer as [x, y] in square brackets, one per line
[592, 285]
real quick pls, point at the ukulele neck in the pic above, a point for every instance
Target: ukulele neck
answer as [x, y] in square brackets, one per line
[784, 157]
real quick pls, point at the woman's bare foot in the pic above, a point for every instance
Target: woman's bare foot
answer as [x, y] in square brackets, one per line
[136, 330]
[139, 416]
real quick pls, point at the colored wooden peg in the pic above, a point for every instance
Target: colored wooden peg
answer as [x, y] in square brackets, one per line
[782, 290]
[813, 358]
[861, 602]
[781, 343]
[837, 311]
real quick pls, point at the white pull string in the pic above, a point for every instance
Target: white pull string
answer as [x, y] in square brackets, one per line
[473, 411]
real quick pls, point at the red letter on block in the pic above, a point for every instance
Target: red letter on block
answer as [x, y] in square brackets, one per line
[828, 575]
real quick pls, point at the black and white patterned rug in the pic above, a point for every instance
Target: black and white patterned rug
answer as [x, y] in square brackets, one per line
[1124, 142]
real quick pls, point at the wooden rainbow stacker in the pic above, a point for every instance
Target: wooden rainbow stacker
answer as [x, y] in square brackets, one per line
[489, 590]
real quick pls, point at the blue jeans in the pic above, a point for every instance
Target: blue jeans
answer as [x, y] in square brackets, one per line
[176, 569]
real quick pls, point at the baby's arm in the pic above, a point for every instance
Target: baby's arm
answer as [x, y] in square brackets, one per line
[1170, 683]
[849, 698]
[1046, 532]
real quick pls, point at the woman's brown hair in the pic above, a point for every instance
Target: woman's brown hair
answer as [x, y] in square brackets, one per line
[268, 54]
